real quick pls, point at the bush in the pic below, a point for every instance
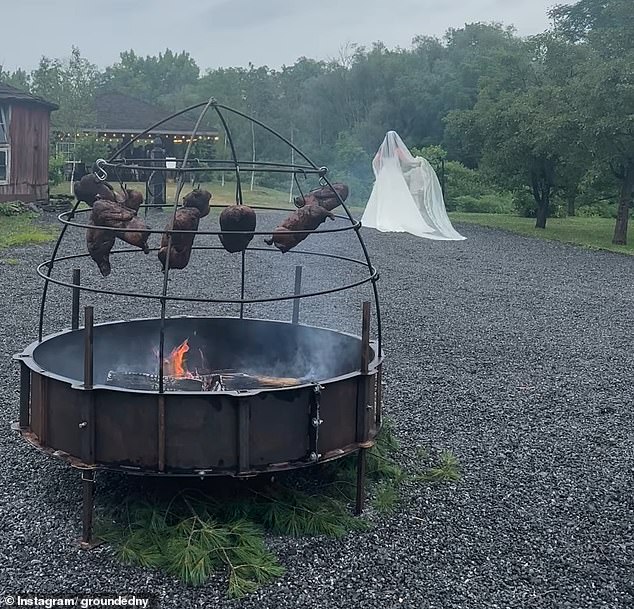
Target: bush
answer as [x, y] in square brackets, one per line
[12, 208]
[485, 204]
[55, 170]
[602, 209]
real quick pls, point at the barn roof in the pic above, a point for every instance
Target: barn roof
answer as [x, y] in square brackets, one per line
[121, 113]
[7, 92]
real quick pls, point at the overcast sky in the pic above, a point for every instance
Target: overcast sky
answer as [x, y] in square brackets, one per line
[235, 32]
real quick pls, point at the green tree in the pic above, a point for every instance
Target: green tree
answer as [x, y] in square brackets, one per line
[604, 89]
[71, 84]
[522, 127]
[157, 79]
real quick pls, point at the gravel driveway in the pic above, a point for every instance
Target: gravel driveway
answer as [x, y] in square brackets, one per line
[514, 353]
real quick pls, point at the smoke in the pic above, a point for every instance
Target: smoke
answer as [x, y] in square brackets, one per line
[253, 347]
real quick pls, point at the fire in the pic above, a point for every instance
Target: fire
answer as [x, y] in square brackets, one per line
[175, 364]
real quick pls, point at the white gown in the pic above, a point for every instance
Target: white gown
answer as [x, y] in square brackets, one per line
[407, 196]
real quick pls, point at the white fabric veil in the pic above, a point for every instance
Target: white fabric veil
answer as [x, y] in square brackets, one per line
[407, 196]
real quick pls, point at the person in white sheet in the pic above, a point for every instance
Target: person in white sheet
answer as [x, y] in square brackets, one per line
[407, 196]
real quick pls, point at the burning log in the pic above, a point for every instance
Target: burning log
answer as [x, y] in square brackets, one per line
[237, 218]
[143, 381]
[216, 381]
[195, 207]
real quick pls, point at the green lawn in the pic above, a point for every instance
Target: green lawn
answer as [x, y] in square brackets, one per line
[24, 230]
[594, 233]
[221, 194]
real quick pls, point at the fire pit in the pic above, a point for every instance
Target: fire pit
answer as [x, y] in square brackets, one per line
[201, 396]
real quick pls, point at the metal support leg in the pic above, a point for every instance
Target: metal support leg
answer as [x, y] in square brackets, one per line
[361, 467]
[74, 317]
[298, 290]
[362, 409]
[88, 495]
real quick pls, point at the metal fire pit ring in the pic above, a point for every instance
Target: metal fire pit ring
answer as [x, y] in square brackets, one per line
[198, 433]
[147, 423]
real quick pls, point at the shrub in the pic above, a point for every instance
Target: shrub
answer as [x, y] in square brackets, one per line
[485, 204]
[12, 208]
[55, 170]
[601, 209]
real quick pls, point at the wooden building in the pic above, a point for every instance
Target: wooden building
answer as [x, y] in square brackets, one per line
[24, 145]
[116, 118]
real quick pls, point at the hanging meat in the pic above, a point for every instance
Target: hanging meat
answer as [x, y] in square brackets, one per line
[114, 215]
[306, 218]
[316, 207]
[187, 218]
[89, 189]
[133, 199]
[237, 218]
[324, 196]
[100, 243]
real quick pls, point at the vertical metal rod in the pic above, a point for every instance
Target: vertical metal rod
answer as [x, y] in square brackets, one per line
[361, 467]
[371, 269]
[88, 503]
[88, 347]
[365, 338]
[244, 457]
[234, 156]
[166, 269]
[379, 397]
[74, 316]
[362, 408]
[298, 291]
[25, 394]
[161, 432]
[49, 270]
[242, 284]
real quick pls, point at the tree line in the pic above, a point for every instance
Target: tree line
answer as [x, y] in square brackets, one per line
[545, 123]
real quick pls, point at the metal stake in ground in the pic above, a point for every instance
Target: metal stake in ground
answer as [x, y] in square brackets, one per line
[87, 426]
[298, 291]
[362, 408]
[74, 316]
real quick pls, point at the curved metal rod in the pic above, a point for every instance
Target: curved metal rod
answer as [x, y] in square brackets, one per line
[154, 126]
[247, 167]
[272, 132]
[170, 233]
[357, 230]
[125, 164]
[40, 328]
[236, 301]
[234, 156]
[268, 250]
[239, 200]
[211, 232]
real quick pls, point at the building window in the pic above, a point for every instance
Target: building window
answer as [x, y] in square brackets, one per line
[4, 125]
[4, 145]
[4, 165]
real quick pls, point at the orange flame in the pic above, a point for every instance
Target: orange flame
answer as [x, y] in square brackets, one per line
[175, 363]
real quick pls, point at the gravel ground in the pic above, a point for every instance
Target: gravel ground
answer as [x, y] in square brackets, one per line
[514, 353]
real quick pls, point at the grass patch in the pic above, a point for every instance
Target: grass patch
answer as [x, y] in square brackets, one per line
[225, 195]
[23, 229]
[593, 233]
[195, 532]
[446, 470]
[266, 197]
